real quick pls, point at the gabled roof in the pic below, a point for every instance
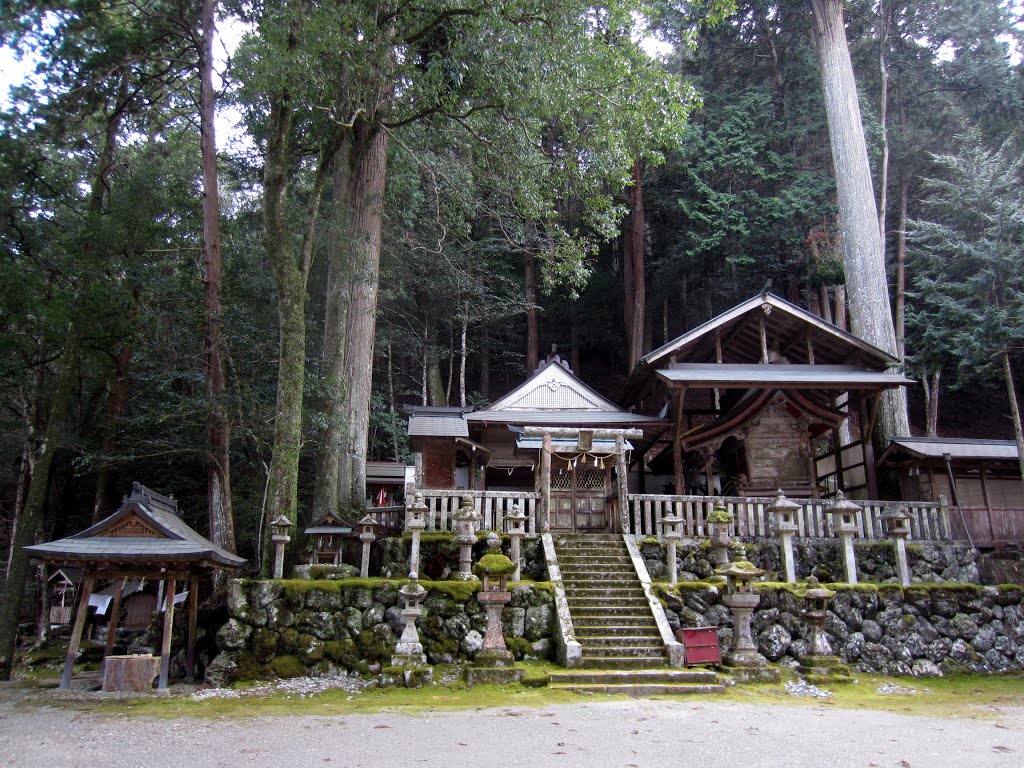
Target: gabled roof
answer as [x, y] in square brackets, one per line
[739, 332]
[733, 376]
[936, 447]
[146, 528]
[552, 387]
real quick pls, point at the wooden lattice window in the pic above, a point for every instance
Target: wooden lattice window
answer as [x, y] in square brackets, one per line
[589, 479]
[561, 479]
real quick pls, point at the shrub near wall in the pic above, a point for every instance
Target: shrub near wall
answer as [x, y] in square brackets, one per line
[921, 630]
[294, 627]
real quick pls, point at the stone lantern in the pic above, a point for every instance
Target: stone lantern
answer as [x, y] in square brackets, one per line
[720, 526]
[671, 526]
[279, 536]
[465, 536]
[515, 522]
[896, 523]
[494, 663]
[415, 523]
[844, 524]
[742, 601]
[409, 650]
[367, 536]
[819, 660]
[783, 514]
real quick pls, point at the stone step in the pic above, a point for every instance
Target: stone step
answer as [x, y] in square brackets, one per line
[624, 662]
[591, 650]
[639, 689]
[603, 620]
[596, 563]
[619, 593]
[649, 632]
[618, 642]
[641, 676]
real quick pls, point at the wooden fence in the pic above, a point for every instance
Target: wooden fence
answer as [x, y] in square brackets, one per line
[929, 521]
[492, 506]
[989, 527]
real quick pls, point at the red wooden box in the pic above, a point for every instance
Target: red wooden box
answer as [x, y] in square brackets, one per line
[700, 644]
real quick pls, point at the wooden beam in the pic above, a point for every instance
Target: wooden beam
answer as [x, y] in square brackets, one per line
[193, 617]
[764, 339]
[76, 632]
[115, 617]
[545, 484]
[867, 447]
[678, 401]
[170, 585]
[621, 480]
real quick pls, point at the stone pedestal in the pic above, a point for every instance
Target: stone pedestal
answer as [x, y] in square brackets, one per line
[493, 663]
[784, 514]
[409, 660]
[415, 523]
[720, 525]
[465, 520]
[820, 664]
[844, 524]
[743, 652]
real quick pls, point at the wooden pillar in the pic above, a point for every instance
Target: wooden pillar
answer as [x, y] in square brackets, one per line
[170, 585]
[866, 445]
[621, 471]
[115, 617]
[678, 400]
[709, 472]
[76, 632]
[837, 441]
[193, 616]
[641, 476]
[545, 484]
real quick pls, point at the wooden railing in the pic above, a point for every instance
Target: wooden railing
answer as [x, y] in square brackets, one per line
[989, 527]
[929, 521]
[493, 506]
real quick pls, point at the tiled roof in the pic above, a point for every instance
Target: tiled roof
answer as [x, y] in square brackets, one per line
[438, 426]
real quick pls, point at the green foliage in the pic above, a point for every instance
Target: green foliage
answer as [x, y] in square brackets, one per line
[968, 287]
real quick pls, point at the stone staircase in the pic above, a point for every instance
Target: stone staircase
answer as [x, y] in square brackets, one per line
[610, 613]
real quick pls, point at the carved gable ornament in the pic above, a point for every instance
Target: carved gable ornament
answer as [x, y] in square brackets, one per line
[133, 526]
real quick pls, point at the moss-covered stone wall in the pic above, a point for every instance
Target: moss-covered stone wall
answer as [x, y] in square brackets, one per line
[876, 560]
[293, 627]
[922, 630]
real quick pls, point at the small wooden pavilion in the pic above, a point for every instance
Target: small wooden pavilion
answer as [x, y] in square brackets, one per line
[751, 391]
[144, 539]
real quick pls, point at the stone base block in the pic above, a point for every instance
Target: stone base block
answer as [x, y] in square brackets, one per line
[830, 679]
[404, 659]
[494, 658]
[828, 667]
[493, 675]
[764, 674]
[751, 659]
[410, 677]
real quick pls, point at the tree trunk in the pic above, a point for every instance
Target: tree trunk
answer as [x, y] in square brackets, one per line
[334, 408]
[462, 354]
[864, 260]
[485, 361]
[218, 463]
[636, 289]
[105, 500]
[530, 277]
[884, 24]
[32, 513]
[435, 381]
[901, 274]
[1011, 394]
[369, 175]
[930, 384]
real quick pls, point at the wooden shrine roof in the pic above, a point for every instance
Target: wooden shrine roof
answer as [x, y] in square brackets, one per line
[934, 448]
[145, 531]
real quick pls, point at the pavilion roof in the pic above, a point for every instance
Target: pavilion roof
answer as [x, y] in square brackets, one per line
[146, 530]
[934, 448]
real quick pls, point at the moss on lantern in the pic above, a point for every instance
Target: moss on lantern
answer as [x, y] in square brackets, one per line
[493, 564]
[719, 515]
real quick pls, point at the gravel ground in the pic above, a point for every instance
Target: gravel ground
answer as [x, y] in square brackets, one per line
[632, 734]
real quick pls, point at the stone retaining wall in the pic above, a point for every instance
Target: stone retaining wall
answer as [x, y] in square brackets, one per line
[924, 630]
[876, 561]
[297, 627]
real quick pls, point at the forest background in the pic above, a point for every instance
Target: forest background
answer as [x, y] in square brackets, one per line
[488, 181]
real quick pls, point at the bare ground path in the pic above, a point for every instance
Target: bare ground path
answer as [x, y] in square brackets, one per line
[642, 733]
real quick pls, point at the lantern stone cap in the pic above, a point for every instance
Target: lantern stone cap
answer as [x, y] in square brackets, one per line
[412, 590]
[815, 591]
[516, 512]
[897, 513]
[782, 504]
[720, 515]
[493, 564]
[282, 521]
[843, 505]
[368, 521]
[466, 511]
[671, 519]
[743, 570]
